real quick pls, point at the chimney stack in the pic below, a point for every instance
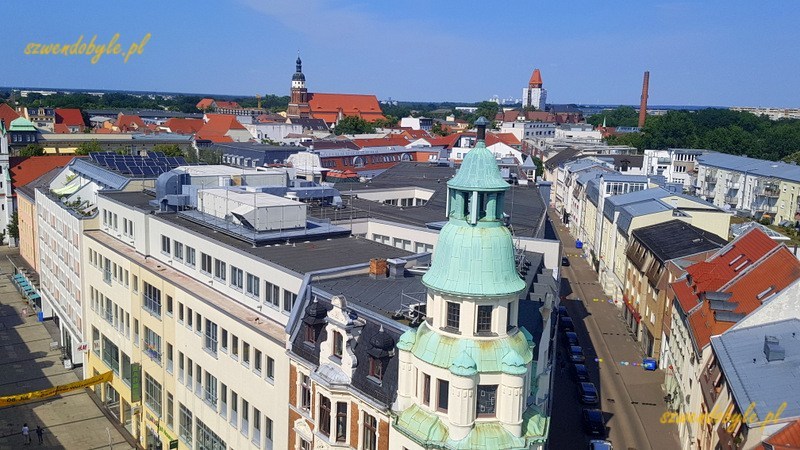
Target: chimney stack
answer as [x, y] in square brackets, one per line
[378, 268]
[643, 105]
[481, 126]
[397, 268]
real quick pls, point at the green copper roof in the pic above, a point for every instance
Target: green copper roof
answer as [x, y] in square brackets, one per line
[445, 351]
[21, 124]
[464, 365]
[535, 425]
[489, 435]
[513, 363]
[474, 260]
[407, 340]
[479, 172]
[421, 425]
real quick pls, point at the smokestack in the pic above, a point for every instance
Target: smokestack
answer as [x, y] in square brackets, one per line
[643, 105]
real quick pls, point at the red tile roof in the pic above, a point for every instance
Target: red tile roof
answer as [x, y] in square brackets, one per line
[205, 103]
[184, 126]
[217, 127]
[129, 122]
[328, 106]
[722, 267]
[772, 273]
[381, 142]
[7, 114]
[536, 78]
[228, 105]
[416, 134]
[26, 169]
[445, 141]
[787, 438]
[70, 117]
[60, 128]
[506, 138]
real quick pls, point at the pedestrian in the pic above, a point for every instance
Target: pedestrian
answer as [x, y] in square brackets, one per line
[39, 433]
[26, 434]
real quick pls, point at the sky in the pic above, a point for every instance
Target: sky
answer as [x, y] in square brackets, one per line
[711, 53]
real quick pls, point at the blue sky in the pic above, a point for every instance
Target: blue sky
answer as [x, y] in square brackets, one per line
[698, 53]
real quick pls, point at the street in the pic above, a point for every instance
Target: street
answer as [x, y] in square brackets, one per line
[631, 398]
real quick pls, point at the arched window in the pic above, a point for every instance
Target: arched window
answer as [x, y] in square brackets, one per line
[358, 161]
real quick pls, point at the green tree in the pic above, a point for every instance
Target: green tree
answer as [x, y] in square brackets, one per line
[623, 116]
[169, 149]
[438, 130]
[486, 109]
[353, 125]
[32, 150]
[539, 166]
[13, 226]
[88, 147]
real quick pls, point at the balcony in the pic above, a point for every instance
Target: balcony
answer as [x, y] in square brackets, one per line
[768, 190]
[710, 385]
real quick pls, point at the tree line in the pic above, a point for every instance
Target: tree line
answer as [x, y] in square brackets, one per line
[722, 130]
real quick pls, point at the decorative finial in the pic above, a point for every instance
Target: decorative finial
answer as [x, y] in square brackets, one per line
[481, 124]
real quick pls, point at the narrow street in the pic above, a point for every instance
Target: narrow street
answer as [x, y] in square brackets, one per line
[631, 398]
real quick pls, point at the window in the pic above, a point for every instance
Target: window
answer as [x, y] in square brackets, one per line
[135, 283]
[338, 343]
[110, 354]
[245, 353]
[370, 438]
[270, 368]
[453, 314]
[198, 321]
[205, 263]
[185, 422]
[426, 389]
[341, 421]
[305, 392]
[273, 294]
[165, 244]
[442, 395]
[126, 369]
[152, 299]
[224, 340]
[152, 345]
[509, 310]
[257, 361]
[245, 417]
[268, 430]
[324, 415]
[288, 300]
[234, 346]
[220, 270]
[305, 445]
[190, 256]
[223, 399]
[487, 397]
[152, 394]
[256, 426]
[169, 357]
[310, 334]
[375, 368]
[177, 251]
[170, 408]
[484, 319]
[211, 336]
[211, 390]
[169, 305]
[236, 277]
[180, 312]
[253, 285]
[96, 341]
[234, 408]
[180, 367]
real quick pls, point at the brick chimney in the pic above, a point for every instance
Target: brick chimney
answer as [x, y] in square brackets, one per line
[378, 268]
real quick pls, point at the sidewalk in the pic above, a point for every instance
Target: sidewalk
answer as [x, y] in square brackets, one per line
[70, 421]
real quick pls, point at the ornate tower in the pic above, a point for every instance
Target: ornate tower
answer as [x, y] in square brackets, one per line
[465, 372]
[298, 103]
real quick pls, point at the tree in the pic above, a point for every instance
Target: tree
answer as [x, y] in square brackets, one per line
[438, 130]
[13, 226]
[88, 147]
[353, 125]
[32, 150]
[169, 149]
[623, 116]
[486, 109]
[539, 166]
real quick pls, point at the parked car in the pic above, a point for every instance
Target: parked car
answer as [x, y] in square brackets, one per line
[565, 261]
[566, 324]
[600, 444]
[571, 338]
[580, 373]
[588, 393]
[593, 422]
[562, 311]
[576, 354]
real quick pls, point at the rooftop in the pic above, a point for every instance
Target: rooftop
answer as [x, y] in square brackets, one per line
[675, 238]
[759, 167]
[27, 169]
[741, 357]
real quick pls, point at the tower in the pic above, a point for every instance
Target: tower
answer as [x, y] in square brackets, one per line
[643, 105]
[465, 372]
[534, 95]
[298, 103]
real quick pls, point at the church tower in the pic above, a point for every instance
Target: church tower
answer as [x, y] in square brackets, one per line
[465, 372]
[298, 103]
[535, 95]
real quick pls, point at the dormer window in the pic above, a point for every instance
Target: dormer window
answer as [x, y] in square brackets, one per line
[375, 368]
[310, 334]
[338, 344]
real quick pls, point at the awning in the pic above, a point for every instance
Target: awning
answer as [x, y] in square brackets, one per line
[632, 309]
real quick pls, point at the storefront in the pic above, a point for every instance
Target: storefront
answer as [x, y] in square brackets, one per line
[632, 317]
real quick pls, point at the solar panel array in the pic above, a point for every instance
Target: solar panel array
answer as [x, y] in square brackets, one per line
[153, 165]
